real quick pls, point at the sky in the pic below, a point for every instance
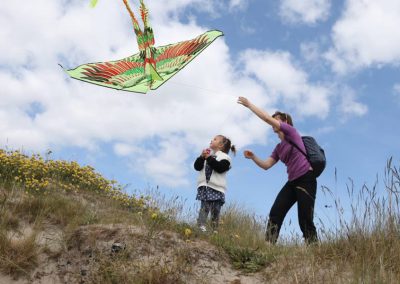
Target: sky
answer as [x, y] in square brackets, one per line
[333, 65]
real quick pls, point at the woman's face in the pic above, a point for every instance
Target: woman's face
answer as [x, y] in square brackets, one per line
[276, 130]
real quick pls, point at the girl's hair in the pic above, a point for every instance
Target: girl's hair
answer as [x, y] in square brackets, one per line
[227, 145]
[285, 117]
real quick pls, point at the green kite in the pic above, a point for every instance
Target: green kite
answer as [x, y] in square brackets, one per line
[151, 66]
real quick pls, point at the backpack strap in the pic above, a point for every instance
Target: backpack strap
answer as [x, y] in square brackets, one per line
[298, 148]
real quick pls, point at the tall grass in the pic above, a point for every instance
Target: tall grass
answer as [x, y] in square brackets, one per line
[18, 256]
[241, 236]
[37, 193]
[368, 243]
[125, 268]
[363, 246]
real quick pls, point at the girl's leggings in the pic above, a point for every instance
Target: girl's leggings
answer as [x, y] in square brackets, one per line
[303, 191]
[214, 207]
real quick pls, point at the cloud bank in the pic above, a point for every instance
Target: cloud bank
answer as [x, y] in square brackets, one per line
[366, 35]
[307, 11]
[42, 108]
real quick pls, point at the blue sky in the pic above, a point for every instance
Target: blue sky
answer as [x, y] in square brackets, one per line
[334, 65]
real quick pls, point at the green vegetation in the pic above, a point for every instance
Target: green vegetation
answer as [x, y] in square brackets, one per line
[69, 216]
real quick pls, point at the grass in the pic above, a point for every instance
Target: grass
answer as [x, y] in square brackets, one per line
[18, 257]
[123, 268]
[39, 195]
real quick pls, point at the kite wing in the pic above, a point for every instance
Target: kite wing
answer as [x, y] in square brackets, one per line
[170, 59]
[126, 74]
[129, 74]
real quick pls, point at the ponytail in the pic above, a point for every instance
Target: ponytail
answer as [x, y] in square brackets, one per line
[227, 145]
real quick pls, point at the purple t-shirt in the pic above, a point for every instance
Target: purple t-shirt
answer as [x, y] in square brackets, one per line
[296, 163]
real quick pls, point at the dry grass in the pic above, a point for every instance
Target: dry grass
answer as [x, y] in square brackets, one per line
[124, 268]
[368, 243]
[162, 241]
[18, 256]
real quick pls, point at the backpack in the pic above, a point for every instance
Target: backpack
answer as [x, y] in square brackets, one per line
[314, 154]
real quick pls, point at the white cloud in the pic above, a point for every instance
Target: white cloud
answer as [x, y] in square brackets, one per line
[396, 90]
[310, 51]
[237, 4]
[123, 149]
[366, 35]
[247, 29]
[41, 108]
[349, 106]
[167, 162]
[172, 9]
[284, 80]
[306, 11]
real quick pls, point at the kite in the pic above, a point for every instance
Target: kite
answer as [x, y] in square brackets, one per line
[151, 66]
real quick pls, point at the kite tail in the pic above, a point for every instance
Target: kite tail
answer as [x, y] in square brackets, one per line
[144, 12]
[136, 26]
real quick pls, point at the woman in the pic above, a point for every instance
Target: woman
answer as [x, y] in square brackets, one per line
[301, 186]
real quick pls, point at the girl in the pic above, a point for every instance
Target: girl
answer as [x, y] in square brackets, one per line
[301, 186]
[212, 164]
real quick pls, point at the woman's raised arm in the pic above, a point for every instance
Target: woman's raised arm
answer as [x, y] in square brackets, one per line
[259, 112]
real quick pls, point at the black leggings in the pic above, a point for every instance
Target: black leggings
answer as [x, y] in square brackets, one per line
[303, 190]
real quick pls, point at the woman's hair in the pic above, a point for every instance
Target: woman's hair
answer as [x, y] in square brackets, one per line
[285, 117]
[227, 145]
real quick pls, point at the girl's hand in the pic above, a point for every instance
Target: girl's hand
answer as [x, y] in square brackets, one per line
[205, 153]
[248, 154]
[243, 101]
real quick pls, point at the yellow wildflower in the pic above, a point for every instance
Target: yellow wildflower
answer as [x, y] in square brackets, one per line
[188, 232]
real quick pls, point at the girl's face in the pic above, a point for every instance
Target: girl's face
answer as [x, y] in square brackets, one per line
[216, 143]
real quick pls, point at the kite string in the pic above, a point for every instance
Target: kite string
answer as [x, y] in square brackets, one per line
[323, 210]
[225, 118]
[193, 86]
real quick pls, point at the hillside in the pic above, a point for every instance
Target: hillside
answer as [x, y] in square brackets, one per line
[65, 223]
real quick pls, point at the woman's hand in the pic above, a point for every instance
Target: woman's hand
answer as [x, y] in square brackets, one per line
[248, 154]
[243, 101]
